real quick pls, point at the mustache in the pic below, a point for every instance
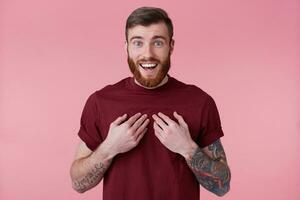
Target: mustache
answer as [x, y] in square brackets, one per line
[150, 59]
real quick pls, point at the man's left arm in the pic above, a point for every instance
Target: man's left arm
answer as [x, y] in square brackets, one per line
[209, 164]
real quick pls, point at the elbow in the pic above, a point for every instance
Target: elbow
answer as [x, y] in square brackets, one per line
[224, 185]
[75, 184]
[222, 191]
[79, 190]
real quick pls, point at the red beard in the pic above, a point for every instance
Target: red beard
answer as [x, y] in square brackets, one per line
[150, 82]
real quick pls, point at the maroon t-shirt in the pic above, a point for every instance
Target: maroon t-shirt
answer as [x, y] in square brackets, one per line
[150, 171]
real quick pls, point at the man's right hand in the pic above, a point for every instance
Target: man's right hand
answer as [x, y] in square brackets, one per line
[125, 135]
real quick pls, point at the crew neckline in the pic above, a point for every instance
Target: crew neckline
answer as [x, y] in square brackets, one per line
[133, 85]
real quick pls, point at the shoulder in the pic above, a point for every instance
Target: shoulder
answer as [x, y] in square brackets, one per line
[194, 91]
[112, 88]
[95, 97]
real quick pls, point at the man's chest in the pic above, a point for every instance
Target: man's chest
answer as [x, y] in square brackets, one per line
[110, 108]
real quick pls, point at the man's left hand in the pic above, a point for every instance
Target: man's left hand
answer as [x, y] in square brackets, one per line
[175, 136]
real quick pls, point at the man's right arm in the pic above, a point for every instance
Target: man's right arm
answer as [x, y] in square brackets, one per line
[89, 167]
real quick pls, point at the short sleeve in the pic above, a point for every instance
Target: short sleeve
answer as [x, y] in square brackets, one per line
[89, 131]
[211, 128]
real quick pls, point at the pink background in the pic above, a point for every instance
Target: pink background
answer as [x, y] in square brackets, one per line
[54, 54]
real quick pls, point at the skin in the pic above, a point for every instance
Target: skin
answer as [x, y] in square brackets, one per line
[149, 44]
[89, 167]
[209, 164]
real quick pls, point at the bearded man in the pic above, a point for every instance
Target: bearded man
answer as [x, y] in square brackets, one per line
[150, 136]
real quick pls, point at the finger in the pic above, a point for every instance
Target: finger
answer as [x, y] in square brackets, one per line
[133, 118]
[180, 119]
[166, 118]
[159, 121]
[138, 122]
[157, 129]
[119, 120]
[142, 127]
[141, 135]
[158, 132]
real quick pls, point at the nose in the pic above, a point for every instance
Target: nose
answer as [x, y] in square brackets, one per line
[148, 52]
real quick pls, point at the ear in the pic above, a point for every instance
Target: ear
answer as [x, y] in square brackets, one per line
[172, 46]
[125, 47]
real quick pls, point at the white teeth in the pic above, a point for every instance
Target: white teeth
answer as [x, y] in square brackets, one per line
[147, 65]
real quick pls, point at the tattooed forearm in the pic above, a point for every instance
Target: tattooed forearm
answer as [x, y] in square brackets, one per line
[91, 179]
[211, 172]
[87, 171]
[217, 150]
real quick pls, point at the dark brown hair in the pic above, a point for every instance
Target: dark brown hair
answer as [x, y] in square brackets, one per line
[146, 16]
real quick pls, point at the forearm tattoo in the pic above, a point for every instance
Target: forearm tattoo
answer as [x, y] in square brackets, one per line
[212, 174]
[217, 150]
[91, 179]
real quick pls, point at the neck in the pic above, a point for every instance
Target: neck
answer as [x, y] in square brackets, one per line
[164, 81]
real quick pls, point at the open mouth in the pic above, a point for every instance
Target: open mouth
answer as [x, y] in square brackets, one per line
[148, 66]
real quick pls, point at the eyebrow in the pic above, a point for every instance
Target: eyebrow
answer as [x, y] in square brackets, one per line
[159, 37]
[154, 37]
[135, 37]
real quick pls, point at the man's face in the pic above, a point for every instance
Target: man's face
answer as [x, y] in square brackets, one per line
[148, 51]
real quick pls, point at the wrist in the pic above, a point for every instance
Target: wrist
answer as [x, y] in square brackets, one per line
[106, 150]
[190, 150]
